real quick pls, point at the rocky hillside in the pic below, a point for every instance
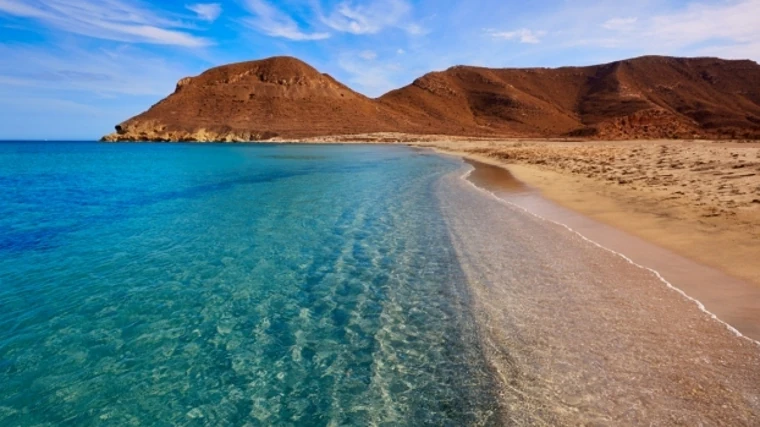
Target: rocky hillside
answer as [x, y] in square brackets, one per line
[647, 97]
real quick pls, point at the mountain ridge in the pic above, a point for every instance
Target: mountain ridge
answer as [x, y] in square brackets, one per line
[283, 97]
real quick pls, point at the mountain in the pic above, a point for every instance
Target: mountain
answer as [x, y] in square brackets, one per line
[256, 100]
[647, 97]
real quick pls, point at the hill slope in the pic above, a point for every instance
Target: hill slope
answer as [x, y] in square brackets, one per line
[647, 97]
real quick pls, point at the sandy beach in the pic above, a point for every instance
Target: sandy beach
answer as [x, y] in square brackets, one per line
[700, 199]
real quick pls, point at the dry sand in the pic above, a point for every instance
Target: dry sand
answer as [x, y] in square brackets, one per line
[733, 300]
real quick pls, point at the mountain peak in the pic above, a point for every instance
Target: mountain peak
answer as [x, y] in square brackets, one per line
[279, 70]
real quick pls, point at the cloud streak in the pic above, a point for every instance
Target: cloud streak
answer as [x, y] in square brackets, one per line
[725, 29]
[368, 55]
[371, 77]
[736, 21]
[371, 17]
[275, 23]
[368, 17]
[620, 24]
[522, 35]
[104, 19]
[206, 11]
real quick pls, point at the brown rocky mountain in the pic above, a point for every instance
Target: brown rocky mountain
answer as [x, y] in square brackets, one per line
[647, 97]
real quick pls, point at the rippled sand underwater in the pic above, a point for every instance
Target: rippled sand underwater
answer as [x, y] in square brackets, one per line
[226, 285]
[155, 284]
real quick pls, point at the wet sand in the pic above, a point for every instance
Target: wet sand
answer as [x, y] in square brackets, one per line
[732, 300]
[578, 335]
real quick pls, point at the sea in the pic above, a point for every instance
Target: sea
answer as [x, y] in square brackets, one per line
[245, 284]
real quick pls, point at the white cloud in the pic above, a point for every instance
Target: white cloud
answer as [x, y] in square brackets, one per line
[726, 29]
[105, 19]
[276, 23]
[360, 18]
[620, 24]
[401, 51]
[372, 17]
[368, 55]
[700, 22]
[206, 11]
[522, 35]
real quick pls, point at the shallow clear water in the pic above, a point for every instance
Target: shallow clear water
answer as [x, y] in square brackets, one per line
[228, 285]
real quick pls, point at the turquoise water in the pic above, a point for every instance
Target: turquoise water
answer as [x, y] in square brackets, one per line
[150, 284]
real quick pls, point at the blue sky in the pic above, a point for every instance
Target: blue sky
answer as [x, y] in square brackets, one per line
[72, 69]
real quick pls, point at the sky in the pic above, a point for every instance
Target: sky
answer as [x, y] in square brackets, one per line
[72, 69]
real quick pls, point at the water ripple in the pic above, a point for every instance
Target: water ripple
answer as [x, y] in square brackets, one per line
[232, 285]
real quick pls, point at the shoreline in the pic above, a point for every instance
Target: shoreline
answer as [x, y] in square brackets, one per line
[514, 193]
[729, 298]
[581, 335]
[603, 180]
[724, 242]
[598, 179]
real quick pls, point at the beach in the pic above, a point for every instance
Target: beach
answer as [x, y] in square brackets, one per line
[668, 338]
[700, 199]
[379, 213]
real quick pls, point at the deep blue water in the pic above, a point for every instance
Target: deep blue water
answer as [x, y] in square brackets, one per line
[189, 284]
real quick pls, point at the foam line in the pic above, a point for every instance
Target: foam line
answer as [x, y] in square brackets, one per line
[699, 304]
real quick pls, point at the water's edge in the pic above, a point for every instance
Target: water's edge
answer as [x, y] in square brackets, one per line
[575, 332]
[465, 176]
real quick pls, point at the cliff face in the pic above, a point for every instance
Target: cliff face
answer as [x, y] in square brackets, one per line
[648, 97]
